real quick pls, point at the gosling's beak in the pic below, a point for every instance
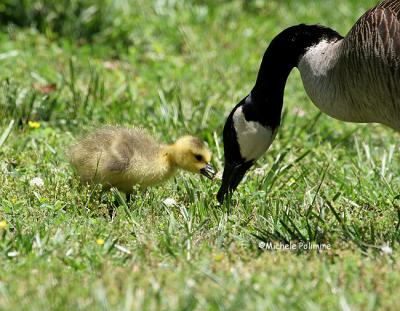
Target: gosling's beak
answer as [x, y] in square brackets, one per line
[208, 171]
[231, 178]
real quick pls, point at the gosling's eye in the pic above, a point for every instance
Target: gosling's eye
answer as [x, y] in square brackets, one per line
[198, 157]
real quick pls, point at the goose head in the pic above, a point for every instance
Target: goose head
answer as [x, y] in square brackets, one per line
[246, 138]
[191, 154]
[252, 125]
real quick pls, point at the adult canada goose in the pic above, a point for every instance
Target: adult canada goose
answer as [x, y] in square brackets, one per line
[354, 78]
[120, 157]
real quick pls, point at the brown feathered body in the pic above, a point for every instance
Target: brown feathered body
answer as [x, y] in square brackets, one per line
[357, 78]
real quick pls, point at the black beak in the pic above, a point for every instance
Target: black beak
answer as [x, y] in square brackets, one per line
[231, 178]
[208, 171]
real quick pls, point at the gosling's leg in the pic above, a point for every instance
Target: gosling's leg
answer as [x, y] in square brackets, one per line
[111, 211]
[134, 192]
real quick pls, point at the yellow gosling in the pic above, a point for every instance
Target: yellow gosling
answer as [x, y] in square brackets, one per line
[120, 157]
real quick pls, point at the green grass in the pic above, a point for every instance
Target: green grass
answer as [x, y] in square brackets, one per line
[179, 67]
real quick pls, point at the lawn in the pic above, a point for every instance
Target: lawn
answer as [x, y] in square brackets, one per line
[178, 67]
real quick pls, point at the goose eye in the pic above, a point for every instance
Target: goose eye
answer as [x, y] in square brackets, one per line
[198, 157]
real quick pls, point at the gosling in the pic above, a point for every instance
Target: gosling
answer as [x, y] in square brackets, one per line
[119, 157]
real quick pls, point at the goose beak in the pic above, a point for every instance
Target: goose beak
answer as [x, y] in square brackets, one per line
[231, 178]
[208, 171]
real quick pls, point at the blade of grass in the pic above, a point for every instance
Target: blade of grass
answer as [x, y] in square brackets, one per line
[6, 133]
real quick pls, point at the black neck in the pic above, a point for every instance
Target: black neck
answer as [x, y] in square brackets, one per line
[282, 55]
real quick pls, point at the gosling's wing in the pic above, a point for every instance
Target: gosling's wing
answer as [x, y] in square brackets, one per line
[121, 150]
[95, 153]
[131, 148]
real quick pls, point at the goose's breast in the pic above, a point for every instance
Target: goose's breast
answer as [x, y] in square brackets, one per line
[351, 88]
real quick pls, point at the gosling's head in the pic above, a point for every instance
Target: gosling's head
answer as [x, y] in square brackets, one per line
[191, 154]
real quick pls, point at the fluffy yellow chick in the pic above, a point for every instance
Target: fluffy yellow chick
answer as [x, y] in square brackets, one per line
[120, 157]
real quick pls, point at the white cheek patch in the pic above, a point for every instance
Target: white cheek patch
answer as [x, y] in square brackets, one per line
[253, 138]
